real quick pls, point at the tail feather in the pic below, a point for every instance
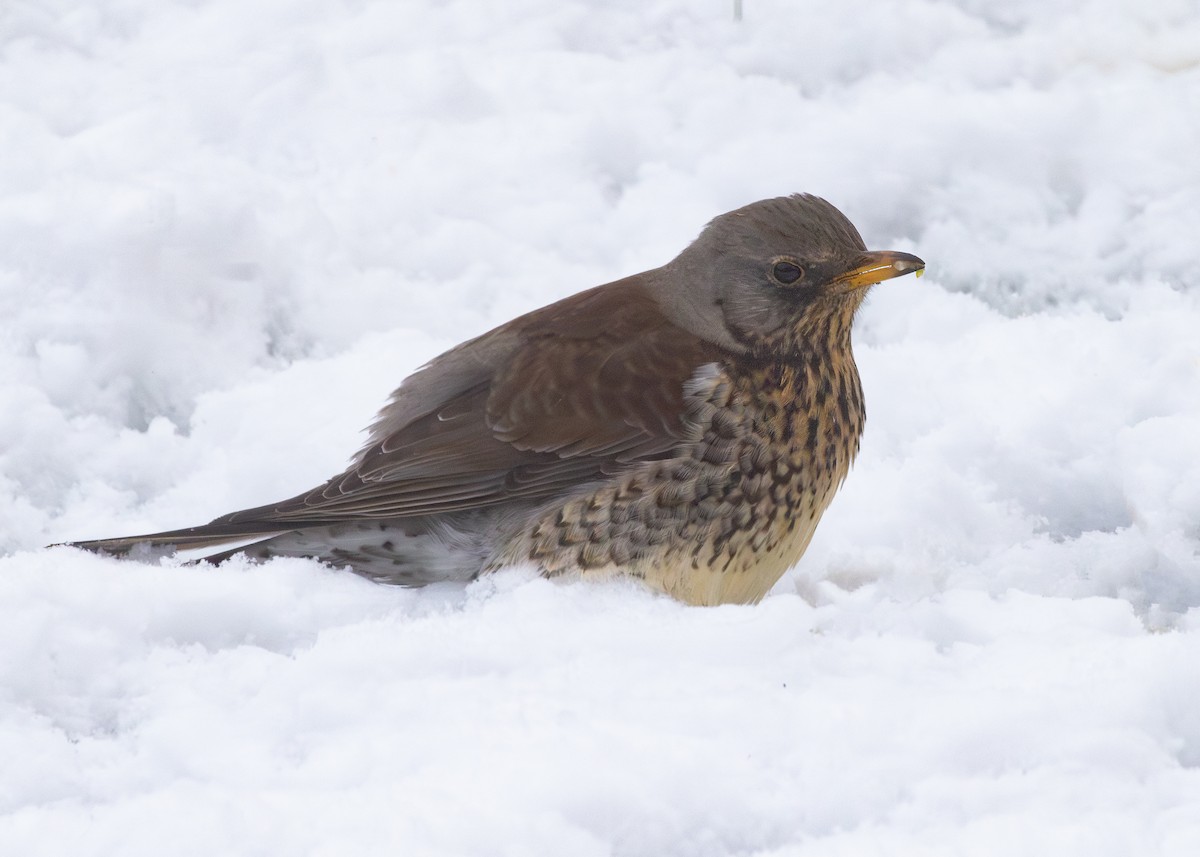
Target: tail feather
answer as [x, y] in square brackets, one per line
[412, 552]
[186, 539]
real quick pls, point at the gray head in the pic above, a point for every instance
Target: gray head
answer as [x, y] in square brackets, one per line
[771, 268]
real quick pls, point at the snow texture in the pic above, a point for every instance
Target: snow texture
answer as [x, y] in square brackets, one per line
[228, 229]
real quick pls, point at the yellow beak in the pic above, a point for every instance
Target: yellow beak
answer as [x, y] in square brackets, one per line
[879, 265]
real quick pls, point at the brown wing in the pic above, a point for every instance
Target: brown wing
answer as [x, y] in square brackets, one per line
[563, 396]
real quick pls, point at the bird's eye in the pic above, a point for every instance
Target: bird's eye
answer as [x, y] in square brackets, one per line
[787, 273]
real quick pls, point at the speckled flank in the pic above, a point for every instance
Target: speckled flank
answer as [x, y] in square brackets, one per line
[725, 517]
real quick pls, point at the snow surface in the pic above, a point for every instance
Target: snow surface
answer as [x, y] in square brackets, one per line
[228, 229]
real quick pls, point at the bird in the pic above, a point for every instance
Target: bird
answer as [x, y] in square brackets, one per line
[686, 426]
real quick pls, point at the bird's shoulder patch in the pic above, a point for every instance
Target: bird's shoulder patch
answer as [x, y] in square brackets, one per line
[619, 391]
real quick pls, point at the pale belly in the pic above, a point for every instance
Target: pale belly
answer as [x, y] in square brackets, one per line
[744, 581]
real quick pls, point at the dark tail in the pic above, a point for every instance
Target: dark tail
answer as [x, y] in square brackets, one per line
[212, 535]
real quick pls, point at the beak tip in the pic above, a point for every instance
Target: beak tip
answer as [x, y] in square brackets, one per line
[907, 264]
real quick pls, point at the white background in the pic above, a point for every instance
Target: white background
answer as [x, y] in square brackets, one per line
[228, 229]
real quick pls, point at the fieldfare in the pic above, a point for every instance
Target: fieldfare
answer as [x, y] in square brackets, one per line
[686, 426]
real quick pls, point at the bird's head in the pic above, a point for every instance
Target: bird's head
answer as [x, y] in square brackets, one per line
[776, 273]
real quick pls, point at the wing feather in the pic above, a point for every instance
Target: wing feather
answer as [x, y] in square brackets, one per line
[543, 404]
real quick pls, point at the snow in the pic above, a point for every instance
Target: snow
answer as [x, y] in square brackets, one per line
[229, 229]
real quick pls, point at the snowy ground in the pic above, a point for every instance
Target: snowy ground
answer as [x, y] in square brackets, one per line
[228, 229]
